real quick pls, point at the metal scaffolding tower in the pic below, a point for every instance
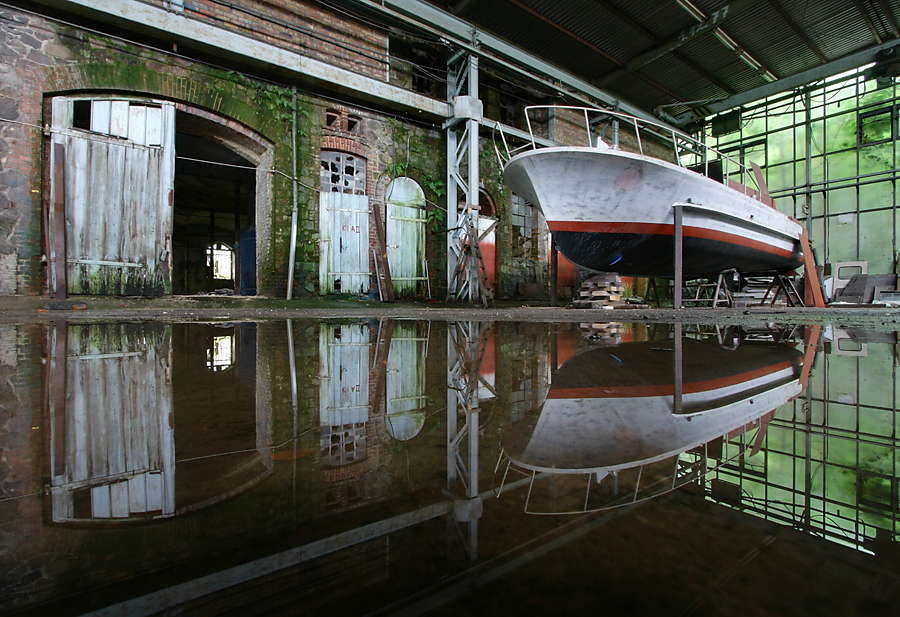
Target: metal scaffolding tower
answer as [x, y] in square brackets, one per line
[466, 274]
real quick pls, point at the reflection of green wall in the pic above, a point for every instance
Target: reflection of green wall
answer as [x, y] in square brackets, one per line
[853, 429]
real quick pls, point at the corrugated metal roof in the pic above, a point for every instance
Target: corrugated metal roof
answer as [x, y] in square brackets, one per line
[595, 38]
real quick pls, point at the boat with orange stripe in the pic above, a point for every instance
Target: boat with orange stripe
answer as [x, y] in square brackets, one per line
[610, 201]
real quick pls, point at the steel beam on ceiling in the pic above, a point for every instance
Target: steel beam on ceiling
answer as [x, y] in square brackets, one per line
[555, 24]
[798, 30]
[592, 46]
[427, 17]
[716, 19]
[674, 53]
[728, 41]
[865, 15]
[895, 28]
[835, 67]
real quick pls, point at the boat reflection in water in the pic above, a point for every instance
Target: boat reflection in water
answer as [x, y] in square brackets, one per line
[626, 423]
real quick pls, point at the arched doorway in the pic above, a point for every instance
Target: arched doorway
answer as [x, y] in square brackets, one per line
[144, 187]
[405, 235]
[217, 206]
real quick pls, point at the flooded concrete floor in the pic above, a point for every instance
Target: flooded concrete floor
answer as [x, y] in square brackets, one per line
[388, 466]
[191, 308]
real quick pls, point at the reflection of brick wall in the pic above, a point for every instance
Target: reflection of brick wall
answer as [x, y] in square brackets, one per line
[29, 562]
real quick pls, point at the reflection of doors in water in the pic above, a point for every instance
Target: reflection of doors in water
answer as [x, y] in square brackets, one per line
[405, 235]
[110, 403]
[118, 159]
[343, 393]
[223, 438]
[405, 382]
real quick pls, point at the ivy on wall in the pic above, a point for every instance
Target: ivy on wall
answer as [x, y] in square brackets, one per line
[420, 156]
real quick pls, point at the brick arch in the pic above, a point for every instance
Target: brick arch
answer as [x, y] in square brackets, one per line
[344, 144]
[220, 96]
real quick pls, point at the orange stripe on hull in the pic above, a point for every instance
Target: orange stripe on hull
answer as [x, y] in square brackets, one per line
[665, 389]
[664, 229]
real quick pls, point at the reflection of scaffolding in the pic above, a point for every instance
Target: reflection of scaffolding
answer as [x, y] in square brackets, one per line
[465, 351]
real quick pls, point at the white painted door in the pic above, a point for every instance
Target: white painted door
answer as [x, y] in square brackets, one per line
[343, 243]
[405, 235]
[112, 438]
[119, 162]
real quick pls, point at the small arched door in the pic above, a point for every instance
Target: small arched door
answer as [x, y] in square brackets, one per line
[405, 235]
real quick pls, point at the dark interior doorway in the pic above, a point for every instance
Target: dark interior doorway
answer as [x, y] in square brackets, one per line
[214, 235]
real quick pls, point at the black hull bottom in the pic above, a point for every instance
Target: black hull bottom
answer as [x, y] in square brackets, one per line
[652, 255]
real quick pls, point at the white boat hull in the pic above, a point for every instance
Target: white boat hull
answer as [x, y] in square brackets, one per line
[613, 211]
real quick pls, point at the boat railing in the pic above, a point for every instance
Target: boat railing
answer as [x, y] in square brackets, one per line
[607, 126]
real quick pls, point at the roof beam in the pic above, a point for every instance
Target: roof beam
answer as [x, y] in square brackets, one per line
[886, 10]
[460, 33]
[461, 6]
[588, 44]
[728, 41]
[841, 65]
[715, 19]
[566, 31]
[675, 54]
[798, 30]
[868, 20]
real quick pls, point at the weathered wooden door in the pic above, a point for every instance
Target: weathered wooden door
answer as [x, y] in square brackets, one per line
[343, 393]
[112, 451]
[344, 243]
[406, 398]
[405, 235]
[343, 224]
[118, 159]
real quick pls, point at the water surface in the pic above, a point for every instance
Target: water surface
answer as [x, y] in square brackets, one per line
[404, 467]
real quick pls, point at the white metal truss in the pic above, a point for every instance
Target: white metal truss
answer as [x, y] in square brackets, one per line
[466, 275]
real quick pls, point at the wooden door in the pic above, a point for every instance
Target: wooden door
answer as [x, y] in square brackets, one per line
[405, 235]
[343, 243]
[118, 162]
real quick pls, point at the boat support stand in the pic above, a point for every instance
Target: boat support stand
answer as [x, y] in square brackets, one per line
[679, 255]
[813, 284]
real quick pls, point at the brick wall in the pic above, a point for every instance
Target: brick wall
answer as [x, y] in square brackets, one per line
[310, 30]
[29, 47]
[22, 433]
[39, 59]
